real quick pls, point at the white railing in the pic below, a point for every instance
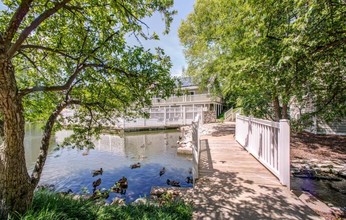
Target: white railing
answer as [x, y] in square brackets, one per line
[164, 117]
[267, 141]
[186, 98]
[231, 114]
[195, 146]
[158, 117]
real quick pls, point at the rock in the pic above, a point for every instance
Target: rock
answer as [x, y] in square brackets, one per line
[339, 186]
[338, 212]
[315, 204]
[118, 201]
[342, 173]
[295, 170]
[184, 150]
[140, 201]
[325, 165]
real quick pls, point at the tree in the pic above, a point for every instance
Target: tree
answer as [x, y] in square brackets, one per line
[267, 53]
[55, 54]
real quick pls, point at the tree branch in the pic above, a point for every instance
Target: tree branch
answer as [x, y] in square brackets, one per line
[16, 20]
[69, 82]
[329, 45]
[36, 173]
[31, 61]
[38, 47]
[66, 86]
[27, 31]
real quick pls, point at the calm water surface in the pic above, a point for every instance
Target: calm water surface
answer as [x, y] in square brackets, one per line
[321, 189]
[72, 168]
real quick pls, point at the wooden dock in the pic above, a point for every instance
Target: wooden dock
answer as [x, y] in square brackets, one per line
[232, 184]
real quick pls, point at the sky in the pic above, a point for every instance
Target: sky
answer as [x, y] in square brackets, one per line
[170, 42]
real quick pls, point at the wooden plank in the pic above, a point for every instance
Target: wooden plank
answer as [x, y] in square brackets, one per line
[232, 184]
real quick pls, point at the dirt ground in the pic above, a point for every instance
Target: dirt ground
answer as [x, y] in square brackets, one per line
[322, 147]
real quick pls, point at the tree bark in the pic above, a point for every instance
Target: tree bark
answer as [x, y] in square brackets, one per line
[276, 107]
[36, 173]
[284, 111]
[16, 190]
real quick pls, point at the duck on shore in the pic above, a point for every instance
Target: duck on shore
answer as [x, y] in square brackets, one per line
[173, 183]
[97, 172]
[69, 191]
[136, 165]
[98, 194]
[189, 179]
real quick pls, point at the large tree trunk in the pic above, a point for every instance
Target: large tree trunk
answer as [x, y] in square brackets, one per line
[276, 108]
[284, 111]
[16, 189]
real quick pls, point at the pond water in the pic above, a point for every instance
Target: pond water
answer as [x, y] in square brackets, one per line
[320, 189]
[72, 168]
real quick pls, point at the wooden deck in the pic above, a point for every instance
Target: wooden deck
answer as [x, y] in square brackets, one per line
[234, 185]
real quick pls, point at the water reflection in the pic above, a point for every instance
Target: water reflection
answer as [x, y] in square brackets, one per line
[72, 168]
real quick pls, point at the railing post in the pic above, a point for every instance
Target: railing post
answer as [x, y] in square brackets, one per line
[184, 115]
[284, 152]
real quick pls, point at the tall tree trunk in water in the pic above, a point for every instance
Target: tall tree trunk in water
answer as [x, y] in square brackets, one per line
[16, 190]
[276, 106]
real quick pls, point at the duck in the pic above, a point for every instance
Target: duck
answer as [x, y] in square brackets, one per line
[67, 192]
[115, 189]
[97, 182]
[173, 183]
[85, 153]
[122, 183]
[136, 165]
[162, 171]
[189, 179]
[97, 172]
[98, 194]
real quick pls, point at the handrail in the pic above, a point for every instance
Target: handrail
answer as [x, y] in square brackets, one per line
[196, 146]
[186, 98]
[230, 115]
[268, 142]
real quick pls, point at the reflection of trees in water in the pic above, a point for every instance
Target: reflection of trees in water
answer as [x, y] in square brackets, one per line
[137, 146]
[32, 143]
[144, 145]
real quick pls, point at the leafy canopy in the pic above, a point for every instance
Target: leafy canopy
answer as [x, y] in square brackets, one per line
[270, 54]
[74, 53]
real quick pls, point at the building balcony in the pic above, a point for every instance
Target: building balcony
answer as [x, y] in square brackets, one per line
[191, 99]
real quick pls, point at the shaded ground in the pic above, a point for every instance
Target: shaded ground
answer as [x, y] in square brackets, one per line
[233, 185]
[322, 147]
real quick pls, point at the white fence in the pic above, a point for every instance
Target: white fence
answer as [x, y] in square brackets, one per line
[196, 146]
[187, 98]
[231, 114]
[158, 117]
[164, 117]
[267, 141]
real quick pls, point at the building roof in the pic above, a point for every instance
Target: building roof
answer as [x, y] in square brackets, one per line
[187, 82]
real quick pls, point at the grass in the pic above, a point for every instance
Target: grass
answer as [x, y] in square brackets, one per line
[52, 206]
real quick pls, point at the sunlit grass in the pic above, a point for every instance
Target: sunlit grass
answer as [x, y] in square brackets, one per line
[52, 206]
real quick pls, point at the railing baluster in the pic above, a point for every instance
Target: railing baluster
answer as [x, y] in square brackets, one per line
[268, 141]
